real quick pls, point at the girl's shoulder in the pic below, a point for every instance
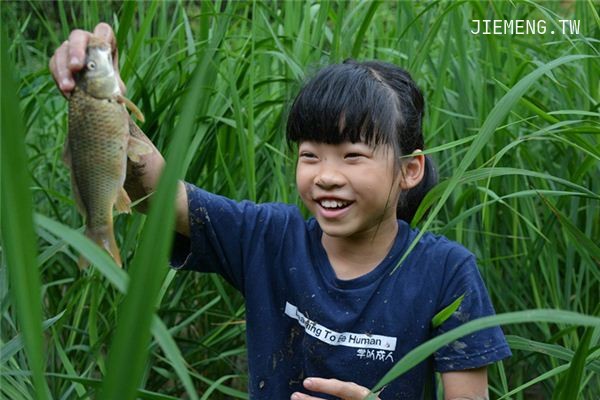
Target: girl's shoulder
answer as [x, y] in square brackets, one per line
[432, 246]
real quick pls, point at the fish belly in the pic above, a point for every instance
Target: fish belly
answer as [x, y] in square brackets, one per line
[97, 147]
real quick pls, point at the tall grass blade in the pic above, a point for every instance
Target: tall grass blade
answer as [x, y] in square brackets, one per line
[551, 350]
[129, 351]
[548, 374]
[169, 347]
[358, 40]
[439, 318]
[96, 384]
[478, 174]
[120, 280]
[18, 237]
[569, 385]
[11, 347]
[579, 238]
[97, 257]
[125, 21]
[493, 120]
[132, 53]
[424, 350]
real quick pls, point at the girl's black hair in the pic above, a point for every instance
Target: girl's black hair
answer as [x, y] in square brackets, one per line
[372, 102]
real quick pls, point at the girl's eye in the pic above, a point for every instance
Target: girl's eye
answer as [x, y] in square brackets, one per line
[91, 65]
[305, 155]
[353, 155]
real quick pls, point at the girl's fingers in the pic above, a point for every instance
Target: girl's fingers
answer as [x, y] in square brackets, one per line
[60, 71]
[335, 387]
[78, 40]
[104, 31]
[68, 59]
[302, 396]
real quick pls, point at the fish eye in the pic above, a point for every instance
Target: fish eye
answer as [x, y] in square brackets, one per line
[91, 65]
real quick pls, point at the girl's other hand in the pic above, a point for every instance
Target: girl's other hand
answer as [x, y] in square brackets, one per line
[69, 58]
[334, 387]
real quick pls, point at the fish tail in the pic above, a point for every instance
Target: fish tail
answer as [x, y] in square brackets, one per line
[105, 238]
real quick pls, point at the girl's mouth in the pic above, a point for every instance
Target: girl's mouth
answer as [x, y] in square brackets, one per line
[333, 204]
[333, 208]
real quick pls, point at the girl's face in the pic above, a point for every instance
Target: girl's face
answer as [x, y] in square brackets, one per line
[351, 188]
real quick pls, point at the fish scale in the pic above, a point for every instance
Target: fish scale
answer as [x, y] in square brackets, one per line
[98, 161]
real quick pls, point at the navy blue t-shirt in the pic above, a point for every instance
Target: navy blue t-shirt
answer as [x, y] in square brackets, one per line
[301, 320]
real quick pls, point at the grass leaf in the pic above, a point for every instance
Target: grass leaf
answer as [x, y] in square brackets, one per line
[118, 278]
[11, 347]
[129, 351]
[96, 383]
[439, 318]
[18, 237]
[493, 120]
[424, 350]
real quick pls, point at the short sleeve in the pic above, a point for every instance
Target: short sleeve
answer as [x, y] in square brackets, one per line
[226, 236]
[482, 347]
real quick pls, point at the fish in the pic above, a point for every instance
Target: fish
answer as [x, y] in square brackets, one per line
[98, 144]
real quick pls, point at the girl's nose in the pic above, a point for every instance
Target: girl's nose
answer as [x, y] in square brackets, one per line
[329, 178]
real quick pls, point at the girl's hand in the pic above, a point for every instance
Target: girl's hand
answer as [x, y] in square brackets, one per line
[334, 387]
[69, 58]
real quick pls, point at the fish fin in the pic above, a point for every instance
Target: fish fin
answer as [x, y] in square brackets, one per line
[131, 107]
[137, 148]
[105, 238]
[123, 202]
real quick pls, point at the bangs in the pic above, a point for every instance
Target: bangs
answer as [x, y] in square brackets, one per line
[345, 103]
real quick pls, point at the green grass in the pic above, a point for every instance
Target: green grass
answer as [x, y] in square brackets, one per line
[512, 122]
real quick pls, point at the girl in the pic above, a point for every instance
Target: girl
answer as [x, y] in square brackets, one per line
[325, 316]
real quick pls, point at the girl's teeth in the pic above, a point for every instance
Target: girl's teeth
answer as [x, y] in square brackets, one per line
[333, 204]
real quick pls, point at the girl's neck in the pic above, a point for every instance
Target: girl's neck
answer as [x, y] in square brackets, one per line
[355, 256]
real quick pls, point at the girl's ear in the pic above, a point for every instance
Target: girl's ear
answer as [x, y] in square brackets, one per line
[413, 170]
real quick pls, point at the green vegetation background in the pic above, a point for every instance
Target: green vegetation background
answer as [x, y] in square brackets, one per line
[512, 121]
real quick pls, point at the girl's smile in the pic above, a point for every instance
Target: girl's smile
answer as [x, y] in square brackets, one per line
[331, 208]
